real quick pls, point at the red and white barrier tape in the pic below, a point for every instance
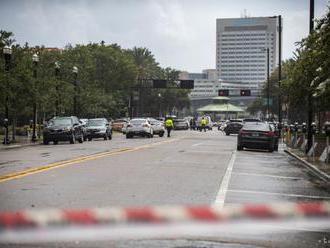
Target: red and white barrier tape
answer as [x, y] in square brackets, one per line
[161, 214]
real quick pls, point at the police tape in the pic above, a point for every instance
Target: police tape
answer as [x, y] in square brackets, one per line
[160, 214]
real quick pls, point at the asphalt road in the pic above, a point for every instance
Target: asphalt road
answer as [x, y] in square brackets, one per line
[187, 169]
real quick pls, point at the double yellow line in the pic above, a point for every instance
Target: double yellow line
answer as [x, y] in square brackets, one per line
[64, 163]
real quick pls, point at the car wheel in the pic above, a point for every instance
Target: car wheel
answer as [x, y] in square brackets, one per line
[110, 136]
[227, 133]
[81, 139]
[271, 149]
[161, 134]
[55, 142]
[105, 137]
[85, 138]
[128, 136]
[239, 148]
[46, 142]
[276, 148]
[89, 139]
[72, 139]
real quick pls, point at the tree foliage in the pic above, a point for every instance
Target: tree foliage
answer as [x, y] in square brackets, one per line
[307, 73]
[107, 78]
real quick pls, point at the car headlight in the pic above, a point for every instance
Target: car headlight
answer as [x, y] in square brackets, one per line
[67, 129]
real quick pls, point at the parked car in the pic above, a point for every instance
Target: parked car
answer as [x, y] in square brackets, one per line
[251, 120]
[157, 126]
[118, 124]
[180, 124]
[233, 127]
[83, 123]
[63, 129]
[257, 135]
[277, 134]
[98, 128]
[139, 127]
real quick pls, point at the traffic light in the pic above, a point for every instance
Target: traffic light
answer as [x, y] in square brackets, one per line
[186, 84]
[159, 83]
[245, 92]
[223, 93]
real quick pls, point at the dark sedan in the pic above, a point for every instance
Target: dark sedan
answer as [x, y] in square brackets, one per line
[98, 128]
[256, 135]
[233, 128]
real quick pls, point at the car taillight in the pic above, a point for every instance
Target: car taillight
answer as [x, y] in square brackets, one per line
[270, 134]
[242, 132]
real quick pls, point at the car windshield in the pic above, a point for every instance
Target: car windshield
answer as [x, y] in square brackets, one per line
[95, 123]
[60, 122]
[137, 121]
[154, 122]
[257, 127]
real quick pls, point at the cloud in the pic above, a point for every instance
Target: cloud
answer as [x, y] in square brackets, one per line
[181, 33]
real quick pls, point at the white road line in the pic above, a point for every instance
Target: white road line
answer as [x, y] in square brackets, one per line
[221, 196]
[279, 194]
[197, 144]
[266, 175]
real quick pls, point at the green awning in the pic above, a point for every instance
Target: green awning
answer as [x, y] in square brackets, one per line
[220, 108]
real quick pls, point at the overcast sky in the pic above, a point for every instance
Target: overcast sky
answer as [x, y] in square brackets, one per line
[180, 33]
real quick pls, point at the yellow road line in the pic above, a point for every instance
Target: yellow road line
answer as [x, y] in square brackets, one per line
[60, 164]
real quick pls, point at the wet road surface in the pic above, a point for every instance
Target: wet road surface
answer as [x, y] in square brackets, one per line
[190, 168]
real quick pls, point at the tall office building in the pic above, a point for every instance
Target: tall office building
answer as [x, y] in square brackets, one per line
[241, 57]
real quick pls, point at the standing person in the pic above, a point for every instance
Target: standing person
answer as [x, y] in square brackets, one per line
[203, 123]
[169, 126]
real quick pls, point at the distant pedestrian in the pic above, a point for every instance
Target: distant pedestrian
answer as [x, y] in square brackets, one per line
[203, 123]
[169, 126]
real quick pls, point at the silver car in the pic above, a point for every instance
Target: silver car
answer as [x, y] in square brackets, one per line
[139, 127]
[158, 127]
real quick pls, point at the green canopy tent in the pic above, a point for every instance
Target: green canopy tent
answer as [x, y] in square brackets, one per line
[220, 106]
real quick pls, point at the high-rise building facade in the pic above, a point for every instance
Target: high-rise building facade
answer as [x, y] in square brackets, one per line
[206, 84]
[241, 50]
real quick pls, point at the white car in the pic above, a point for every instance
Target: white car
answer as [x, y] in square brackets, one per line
[139, 127]
[157, 126]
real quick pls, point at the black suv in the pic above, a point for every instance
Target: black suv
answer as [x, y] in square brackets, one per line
[63, 129]
[98, 128]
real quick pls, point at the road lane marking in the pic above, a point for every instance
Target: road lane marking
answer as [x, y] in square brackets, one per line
[267, 175]
[197, 144]
[24, 173]
[279, 194]
[221, 195]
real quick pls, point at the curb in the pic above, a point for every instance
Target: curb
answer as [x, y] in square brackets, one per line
[18, 146]
[320, 174]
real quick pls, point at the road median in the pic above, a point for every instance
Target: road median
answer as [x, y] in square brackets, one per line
[314, 168]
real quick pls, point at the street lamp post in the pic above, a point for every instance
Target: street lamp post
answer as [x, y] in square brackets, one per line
[7, 51]
[35, 59]
[75, 84]
[268, 94]
[160, 104]
[57, 73]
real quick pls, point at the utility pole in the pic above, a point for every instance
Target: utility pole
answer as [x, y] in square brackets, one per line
[268, 94]
[310, 96]
[279, 68]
